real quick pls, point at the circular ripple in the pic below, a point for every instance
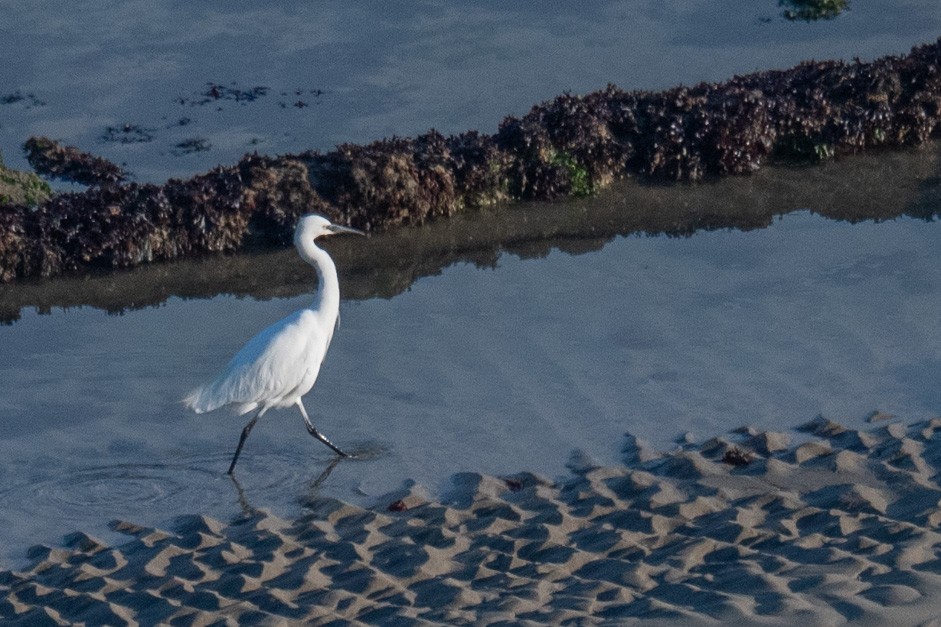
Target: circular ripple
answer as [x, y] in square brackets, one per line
[106, 487]
[44, 507]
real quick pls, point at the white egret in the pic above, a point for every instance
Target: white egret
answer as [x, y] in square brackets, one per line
[280, 365]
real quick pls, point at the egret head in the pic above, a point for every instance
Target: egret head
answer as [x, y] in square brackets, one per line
[312, 226]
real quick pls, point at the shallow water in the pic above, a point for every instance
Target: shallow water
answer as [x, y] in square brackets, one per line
[493, 345]
[369, 69]
[548, 332]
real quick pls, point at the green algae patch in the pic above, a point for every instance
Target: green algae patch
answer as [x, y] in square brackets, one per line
[813, 10]
[579, 178]
[22, 188]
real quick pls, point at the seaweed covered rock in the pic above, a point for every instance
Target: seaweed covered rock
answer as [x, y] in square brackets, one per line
[123, 226]
[688, 134]
[480, 169]
[389, 182]
[209, 210]
[14, 242]
[569, 146]
[278, 192]
[563, 148]
[820, 109]
[68, 163]
[537, 169]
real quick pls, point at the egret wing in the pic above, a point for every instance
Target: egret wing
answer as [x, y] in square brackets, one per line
[268, 367]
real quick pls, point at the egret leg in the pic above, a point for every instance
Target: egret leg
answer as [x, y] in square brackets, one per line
[244, 436]
[313, 431]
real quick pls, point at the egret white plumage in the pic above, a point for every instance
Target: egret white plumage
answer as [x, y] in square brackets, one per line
[280, 365]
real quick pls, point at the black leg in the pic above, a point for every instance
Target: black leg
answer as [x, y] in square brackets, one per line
[313, 431]
[245, 432]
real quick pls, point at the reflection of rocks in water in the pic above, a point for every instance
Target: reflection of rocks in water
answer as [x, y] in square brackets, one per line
[866, 187]
[571, 245]
[813, 10]
[566, 147]
[579, 246]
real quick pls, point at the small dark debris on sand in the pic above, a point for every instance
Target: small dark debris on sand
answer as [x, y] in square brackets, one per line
[737, 457]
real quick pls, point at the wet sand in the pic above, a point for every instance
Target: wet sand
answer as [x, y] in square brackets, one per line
[841, 525]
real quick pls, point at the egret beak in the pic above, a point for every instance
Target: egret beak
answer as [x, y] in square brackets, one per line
[336, 228]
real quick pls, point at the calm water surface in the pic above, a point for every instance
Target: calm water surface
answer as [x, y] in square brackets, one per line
[476, 359]
[493, 369]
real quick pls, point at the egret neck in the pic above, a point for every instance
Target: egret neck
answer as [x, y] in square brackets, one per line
[327, 300]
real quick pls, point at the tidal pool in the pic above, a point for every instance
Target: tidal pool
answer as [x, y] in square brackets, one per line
[492, 343]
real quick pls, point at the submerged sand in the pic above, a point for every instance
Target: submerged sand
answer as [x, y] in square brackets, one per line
[842, 526]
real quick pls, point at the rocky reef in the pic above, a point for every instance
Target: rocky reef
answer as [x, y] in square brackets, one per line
[569, 146]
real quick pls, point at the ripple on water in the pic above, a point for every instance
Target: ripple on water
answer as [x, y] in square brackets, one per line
[102, 489]
[87, 498]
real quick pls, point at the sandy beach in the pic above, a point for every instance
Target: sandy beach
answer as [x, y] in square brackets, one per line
[839, 526]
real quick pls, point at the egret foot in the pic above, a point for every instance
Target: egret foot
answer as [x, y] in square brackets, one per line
[313, 431]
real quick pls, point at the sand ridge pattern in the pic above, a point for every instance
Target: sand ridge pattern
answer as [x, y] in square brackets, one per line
[750, 528]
